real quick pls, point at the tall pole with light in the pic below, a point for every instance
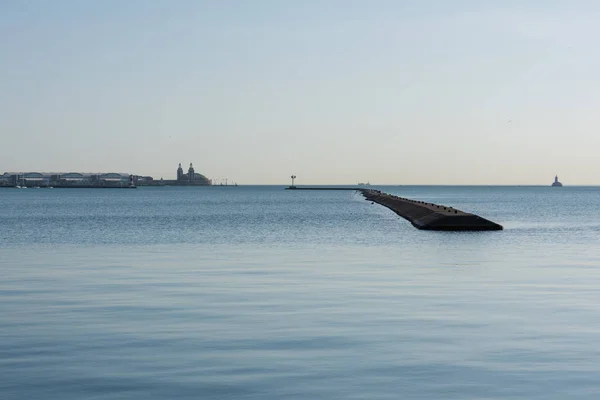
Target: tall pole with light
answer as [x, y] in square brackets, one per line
[293, 177]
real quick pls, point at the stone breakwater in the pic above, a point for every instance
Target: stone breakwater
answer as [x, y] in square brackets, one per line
[429, 216]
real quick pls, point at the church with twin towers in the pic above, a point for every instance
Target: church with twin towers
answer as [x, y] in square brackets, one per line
[192, 177]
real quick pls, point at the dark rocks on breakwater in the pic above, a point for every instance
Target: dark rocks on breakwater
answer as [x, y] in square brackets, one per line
[420, 214]
[429, 216]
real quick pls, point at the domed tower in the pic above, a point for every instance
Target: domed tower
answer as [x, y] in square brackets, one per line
[191, 173]
[179, 172]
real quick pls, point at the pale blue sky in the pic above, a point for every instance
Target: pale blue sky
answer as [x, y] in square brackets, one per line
[398, 92]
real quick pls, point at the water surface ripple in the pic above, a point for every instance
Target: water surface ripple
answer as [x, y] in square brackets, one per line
[261, 293]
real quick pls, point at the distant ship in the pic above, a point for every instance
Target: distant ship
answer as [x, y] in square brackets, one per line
[364, 184]
[556, 182]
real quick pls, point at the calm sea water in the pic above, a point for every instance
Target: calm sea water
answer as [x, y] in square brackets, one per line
[261, 293]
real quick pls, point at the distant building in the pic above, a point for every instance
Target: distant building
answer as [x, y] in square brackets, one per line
[556, 182]
[192, 177]
[142, 180]
[112, 179]
[65, 179]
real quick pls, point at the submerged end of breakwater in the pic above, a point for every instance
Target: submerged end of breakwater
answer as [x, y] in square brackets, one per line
[429, 216]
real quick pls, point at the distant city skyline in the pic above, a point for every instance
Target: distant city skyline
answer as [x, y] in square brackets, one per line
[335, 92]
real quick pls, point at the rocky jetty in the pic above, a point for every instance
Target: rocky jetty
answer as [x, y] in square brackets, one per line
[429, 216]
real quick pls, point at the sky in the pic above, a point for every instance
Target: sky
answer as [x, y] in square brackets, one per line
[332, 91]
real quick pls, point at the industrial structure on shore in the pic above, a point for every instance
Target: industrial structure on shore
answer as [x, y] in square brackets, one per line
[98, 180]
